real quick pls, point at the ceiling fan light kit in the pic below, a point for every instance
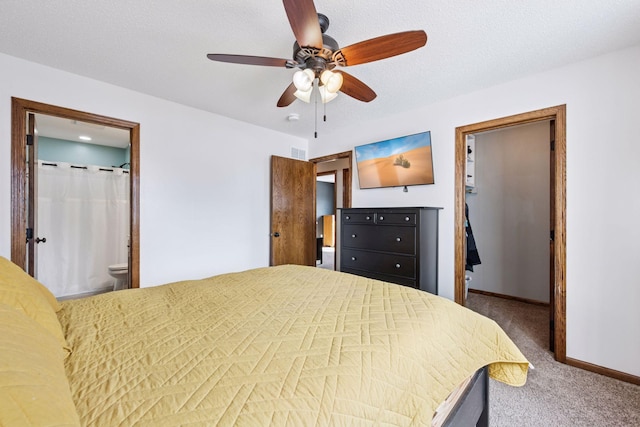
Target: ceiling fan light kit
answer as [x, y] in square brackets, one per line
[316, 55]
[303, 95]
[331, 81]
[303, 79]
[326, 95]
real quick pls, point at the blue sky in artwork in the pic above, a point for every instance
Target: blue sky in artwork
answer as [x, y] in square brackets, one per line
[392, 146]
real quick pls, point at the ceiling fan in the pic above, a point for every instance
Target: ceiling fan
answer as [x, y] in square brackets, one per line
[316, 54]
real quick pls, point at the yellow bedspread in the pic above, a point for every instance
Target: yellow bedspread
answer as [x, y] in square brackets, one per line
[285, 345]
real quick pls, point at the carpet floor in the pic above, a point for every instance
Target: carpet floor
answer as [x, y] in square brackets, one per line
[555, 394]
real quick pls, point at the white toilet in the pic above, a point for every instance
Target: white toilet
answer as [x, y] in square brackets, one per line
[120, 272]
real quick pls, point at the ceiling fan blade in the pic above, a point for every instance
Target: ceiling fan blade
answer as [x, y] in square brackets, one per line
[303, 19]
[252, 60]
[380, 48]
[355, 88]
[287, 96]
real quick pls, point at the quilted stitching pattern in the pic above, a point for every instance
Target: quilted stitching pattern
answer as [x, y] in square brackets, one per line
[34, 390]
[285, 345]
[24, 293]
[11, 273]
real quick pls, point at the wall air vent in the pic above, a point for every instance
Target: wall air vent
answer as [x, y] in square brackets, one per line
[298, 153]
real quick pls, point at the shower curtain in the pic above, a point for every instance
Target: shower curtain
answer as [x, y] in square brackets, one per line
[84, 215]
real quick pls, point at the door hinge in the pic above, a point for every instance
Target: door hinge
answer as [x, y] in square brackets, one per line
[552, 235]
[553, 145]
[29, 233]
[29, 139]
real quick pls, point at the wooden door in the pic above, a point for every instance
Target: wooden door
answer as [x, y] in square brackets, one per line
[293, 212]
[32, 195]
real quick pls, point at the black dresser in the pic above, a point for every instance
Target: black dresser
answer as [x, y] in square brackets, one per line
[398, 245]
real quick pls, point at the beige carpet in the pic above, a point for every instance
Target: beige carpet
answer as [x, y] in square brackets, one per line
[555, 394]
[328, 255]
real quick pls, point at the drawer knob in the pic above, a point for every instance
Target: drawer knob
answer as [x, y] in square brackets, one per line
[367, 217]
[406, 218]
[381, 218]
[354, 236]
[398, 239]
[347, 217]
[397, 265]
[353, 258]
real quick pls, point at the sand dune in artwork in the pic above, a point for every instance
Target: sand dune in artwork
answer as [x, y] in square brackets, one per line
[382, 172]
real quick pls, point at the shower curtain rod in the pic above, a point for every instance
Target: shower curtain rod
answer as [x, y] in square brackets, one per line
[82, 167]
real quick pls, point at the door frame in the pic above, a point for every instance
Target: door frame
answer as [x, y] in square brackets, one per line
[346, 173]
[346, 184]
[19, 109]
[558, 114]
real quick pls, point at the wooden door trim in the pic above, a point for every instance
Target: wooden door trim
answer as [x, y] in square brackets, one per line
[346, 183]
[557, 113]
[31, 169]
[346, 188]
[19, 109]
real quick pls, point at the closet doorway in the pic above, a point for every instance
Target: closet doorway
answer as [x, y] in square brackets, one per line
[557, 264]
[24, 178]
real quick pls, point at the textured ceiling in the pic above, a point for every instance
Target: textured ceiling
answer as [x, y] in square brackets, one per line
[159, 48]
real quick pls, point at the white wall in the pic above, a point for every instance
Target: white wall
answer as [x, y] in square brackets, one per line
[509, 213]
[204, 179]
[601, 94]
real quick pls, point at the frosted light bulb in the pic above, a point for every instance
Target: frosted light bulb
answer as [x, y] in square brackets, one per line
[303, 79]
[303, 95]
[332, 81]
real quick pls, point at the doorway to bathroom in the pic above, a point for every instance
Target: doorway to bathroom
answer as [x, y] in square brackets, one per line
[124, 187]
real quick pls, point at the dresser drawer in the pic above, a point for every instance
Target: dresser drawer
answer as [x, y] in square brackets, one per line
[395, 218]
[358, 218]
[391, 264]
[389, 239]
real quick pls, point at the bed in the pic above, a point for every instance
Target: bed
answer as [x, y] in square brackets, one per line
[287, 345]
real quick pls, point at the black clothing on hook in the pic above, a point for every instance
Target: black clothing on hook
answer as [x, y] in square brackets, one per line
[473, 258]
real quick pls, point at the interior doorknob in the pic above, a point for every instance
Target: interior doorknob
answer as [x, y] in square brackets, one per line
[276, 234]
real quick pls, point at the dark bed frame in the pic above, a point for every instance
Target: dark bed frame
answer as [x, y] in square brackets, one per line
[472, 408]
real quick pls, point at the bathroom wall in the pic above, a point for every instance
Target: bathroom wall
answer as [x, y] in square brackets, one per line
[79, 153]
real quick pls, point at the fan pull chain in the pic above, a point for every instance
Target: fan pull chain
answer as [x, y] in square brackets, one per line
[315, 97]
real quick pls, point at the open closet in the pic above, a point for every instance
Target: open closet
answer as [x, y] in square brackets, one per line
[508, 207]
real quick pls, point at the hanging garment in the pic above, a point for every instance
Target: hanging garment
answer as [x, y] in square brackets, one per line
[473, 258]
